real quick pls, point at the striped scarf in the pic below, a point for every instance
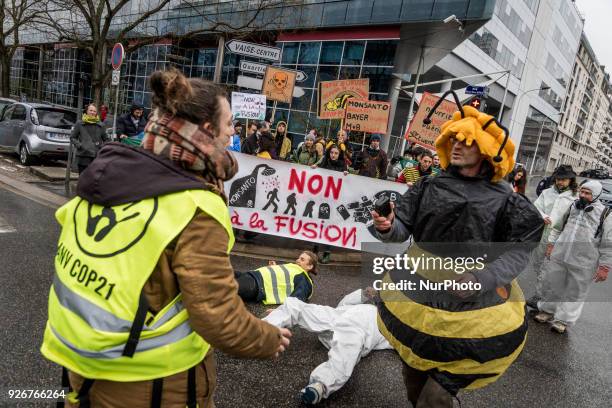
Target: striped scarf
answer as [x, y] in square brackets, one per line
[191, 146]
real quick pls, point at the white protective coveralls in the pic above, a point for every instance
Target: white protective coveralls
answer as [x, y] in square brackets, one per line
[349, 331]
[574, 261]
[551, 204]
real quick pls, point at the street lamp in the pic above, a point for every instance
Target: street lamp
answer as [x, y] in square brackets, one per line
[535, 152]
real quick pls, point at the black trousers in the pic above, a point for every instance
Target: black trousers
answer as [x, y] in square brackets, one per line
[248, 289]
[425, 392]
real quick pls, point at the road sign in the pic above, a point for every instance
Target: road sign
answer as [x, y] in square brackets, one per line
[254, 50]
[117, 56]
[260, 69]
[476, 90]
[116, 77]
[257, 83]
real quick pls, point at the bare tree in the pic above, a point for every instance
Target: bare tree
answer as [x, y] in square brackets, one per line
[94, 25]
[14, 16]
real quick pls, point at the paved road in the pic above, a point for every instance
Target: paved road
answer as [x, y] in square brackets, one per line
[553, 371]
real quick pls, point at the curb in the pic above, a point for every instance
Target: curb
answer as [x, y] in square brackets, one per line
[44, 174]
[34, 193]
[52, 200]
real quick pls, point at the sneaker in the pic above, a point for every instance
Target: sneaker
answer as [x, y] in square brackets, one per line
[543, 317]
[312, 394]
[558, 327]
[533, 302]
[326, 257]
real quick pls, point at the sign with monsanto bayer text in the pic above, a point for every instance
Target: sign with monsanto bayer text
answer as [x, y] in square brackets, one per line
[248, 106]
[334, 94]
[366, 116]
[316, 205]
[426, 134]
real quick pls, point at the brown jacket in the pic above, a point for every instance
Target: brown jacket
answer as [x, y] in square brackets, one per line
[195, 264]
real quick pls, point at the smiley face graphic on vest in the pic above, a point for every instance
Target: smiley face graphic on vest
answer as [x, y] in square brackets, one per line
[103, 232]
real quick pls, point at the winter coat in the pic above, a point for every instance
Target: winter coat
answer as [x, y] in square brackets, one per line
[301, 155]
[575, 241]
[235, 144]
[125, 125]
[412, 174]
[250, 145]
[553, 204]
[457, 209]
[266, 144]
[373, 163]
[194, 264]
[88, 138]
[337, 165]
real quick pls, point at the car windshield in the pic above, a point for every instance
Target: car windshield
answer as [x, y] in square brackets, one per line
[607, 186]
[56, 118]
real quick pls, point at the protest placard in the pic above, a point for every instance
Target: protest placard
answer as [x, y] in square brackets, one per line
[248, 106]
[278, 84]
[334, 94]
[426, 134]
[315, 205]
[366, 116]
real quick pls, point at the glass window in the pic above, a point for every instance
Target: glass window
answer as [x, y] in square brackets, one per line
[56, 118]
[349, 72]
[331, 52]
[334, 13]
[386, 10]
[353, 52]
[303, 102]
[327, 74]
[309, 53]
[381, 53]
[380, 78]
[8, 112]
[311, 73]
[290, 52]
[298, 122]
[19, 113]
[359, 11]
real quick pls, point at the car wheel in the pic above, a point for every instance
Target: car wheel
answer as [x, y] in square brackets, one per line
[24, 155]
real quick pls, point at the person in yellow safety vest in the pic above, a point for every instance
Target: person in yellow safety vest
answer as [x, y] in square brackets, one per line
[143, 287]
[462, 324]
[274, 283]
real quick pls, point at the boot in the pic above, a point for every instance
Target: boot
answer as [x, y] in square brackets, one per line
[543, 317]
[312, 394]
[558, 327]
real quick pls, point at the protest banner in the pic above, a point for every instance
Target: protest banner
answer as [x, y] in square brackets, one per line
[366, 116]
[278, 84]
[334, 94]
[248, 106]
[298, 202]
[426, 134]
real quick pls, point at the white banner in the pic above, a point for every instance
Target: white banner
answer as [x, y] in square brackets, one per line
[298, 202]
[248, 106]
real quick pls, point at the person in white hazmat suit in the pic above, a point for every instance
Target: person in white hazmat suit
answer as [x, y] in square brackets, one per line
[580, 251]
[553, 203]
[349, 331]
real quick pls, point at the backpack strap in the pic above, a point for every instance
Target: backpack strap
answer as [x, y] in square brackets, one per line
[604, 215]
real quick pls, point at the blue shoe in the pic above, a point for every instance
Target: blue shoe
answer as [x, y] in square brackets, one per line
[312, 394]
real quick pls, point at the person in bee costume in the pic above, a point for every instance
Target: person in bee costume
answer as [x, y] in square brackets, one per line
[460, 338]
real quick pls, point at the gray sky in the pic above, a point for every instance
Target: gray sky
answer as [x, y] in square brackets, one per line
[597, 23]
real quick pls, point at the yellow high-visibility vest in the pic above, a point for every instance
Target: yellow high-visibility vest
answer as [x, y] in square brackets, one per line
[105, 256]
[278, 282]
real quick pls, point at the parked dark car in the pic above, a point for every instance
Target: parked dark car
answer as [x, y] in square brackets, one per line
[595, 174]
[36, 130]
[606, 194]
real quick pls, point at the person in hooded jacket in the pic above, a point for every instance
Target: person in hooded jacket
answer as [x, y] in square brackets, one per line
[552, 204]
[306, 153]
[88, 136]
[580, 253]
[466, 336]
[267, 146]
[144, 287]
[282, 142]
[372, 161]
[251, 143]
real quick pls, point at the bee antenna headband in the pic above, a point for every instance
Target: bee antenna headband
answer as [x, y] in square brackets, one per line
[427, 120]
[498, 158]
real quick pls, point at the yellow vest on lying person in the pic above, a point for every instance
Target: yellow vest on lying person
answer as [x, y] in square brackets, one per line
[99, 325]
[278, 282]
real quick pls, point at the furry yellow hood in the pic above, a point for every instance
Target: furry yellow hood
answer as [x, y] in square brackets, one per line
[471, 130]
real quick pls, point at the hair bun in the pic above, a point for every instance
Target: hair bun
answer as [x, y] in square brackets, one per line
[171, 89]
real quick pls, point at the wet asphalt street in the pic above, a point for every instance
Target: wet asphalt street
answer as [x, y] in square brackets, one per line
[553, 371]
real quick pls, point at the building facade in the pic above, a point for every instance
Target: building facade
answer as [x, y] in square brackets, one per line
[581, 138]
[325, 40]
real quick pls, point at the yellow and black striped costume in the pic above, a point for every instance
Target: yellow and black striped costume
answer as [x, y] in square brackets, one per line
[414, 174]
[461, 344]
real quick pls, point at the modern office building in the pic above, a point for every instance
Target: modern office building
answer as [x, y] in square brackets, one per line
[326, 40]
[582, 135]
[536, 40]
